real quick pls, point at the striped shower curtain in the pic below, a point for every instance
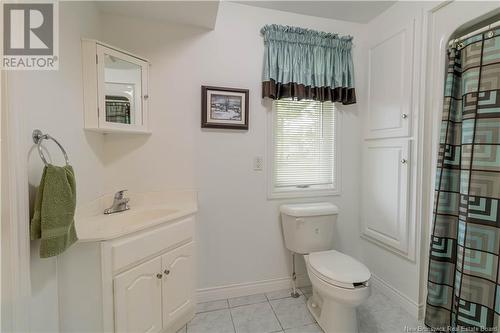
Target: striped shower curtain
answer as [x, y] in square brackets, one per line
[463, 283]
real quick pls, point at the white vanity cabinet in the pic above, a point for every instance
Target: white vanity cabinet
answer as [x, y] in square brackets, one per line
[155, 294]
[140, 282]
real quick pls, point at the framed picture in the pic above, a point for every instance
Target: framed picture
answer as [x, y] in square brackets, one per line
[224, 108]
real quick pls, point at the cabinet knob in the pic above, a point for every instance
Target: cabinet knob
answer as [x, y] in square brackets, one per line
[146, 96]
[403, 161]
[159, 275]
[404, 116]
[166, 272]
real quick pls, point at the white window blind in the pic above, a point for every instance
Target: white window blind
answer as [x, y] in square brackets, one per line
[304, 145]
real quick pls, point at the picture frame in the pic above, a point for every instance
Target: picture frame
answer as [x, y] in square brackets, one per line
[224, 108]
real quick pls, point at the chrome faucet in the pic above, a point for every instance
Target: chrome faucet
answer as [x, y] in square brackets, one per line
[120, 203]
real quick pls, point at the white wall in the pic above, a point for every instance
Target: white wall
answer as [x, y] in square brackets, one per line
[239, 230]
[5, 232]
[53, 102]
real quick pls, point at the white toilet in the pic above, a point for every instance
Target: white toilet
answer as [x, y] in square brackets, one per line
[340, 282]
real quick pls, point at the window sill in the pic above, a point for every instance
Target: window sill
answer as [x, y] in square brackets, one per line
[301, 193]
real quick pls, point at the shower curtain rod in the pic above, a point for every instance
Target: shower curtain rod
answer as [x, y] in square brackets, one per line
[475, 32]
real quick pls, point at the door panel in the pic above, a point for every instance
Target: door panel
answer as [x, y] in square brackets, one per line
[138, 299]
[385, 193]
[178, 283]
[390, 61]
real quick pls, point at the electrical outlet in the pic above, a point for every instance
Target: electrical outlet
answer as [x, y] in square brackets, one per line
[258, 163]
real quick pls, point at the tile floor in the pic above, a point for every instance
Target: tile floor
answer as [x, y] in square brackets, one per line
[278, 312]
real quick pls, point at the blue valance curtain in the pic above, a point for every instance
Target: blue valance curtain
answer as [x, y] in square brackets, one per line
[306, 64]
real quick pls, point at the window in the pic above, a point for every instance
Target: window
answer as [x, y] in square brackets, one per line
[304, 159]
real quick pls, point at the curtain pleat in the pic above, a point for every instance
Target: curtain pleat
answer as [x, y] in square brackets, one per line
[463, 282]
[307, 64]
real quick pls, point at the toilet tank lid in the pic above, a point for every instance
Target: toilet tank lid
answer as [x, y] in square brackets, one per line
[309, 209]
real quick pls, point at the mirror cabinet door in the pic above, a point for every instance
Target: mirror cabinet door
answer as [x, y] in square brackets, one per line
[122, 85]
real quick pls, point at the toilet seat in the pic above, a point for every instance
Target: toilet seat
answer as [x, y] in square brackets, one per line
[338, 269]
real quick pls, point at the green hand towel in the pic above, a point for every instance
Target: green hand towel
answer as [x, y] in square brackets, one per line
[55, 203]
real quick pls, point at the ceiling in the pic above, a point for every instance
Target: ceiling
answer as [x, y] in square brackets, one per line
[353, 11]
[204, 13]
[198, 13]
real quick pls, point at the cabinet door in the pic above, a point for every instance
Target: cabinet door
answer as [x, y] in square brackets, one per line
[178, 283]
[122, 83]
[390, 68]
[385, 194]
[137, 295]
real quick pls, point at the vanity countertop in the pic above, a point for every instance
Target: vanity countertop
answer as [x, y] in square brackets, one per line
[147, 210]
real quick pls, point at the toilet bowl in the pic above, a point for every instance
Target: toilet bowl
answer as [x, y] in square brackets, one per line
[340, 284]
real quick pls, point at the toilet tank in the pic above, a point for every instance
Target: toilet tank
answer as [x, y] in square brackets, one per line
[308, 227]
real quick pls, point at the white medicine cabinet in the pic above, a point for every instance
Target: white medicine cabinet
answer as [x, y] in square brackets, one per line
[115, 84]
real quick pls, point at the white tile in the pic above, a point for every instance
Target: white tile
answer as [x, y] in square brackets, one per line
[306, 290]
[284, 293]
[314, 328]
[366, 321]
[292, 312]
[212, 305]
[246, 300]
[255, 318]
[380, 314]
[211, 322]
[182, 330]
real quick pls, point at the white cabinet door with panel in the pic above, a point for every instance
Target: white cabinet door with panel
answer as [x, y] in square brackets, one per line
[139, 281]
[138, 298]
[178, 283]
[385, 220]
[390, 81]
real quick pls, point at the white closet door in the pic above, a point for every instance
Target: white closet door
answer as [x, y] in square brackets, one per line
[178, 283]
[385, 195]
[390, 82]
[138, 298]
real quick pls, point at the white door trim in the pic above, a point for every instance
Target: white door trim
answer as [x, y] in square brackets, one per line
[16, 177]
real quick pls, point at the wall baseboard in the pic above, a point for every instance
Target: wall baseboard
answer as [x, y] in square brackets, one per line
[421, 311]
[396, 296]
[248, 288]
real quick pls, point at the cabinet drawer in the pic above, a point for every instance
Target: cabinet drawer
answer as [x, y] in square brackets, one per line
[132, 249]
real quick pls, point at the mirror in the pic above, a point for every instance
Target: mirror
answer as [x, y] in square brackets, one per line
[115, 89]
[122, 90]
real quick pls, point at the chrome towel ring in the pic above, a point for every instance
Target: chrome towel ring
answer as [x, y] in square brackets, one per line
[38, 137]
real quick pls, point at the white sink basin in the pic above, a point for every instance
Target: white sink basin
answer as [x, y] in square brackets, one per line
[97, 226]
[132, 217]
